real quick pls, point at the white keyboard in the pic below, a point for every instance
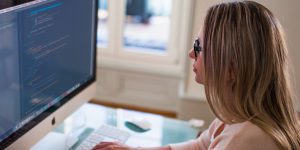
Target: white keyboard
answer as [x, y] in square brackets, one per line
[104, 133]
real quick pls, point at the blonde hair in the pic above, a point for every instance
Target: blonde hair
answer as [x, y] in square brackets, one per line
[245, 39]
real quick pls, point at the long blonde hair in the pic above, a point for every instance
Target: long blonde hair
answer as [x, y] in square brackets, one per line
[244, 38]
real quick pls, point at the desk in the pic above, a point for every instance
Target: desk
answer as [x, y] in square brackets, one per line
[164, 130]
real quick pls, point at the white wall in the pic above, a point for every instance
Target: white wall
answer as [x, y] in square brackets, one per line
[163, 92]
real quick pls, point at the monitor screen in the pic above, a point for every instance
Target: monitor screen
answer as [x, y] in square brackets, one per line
[47, 56]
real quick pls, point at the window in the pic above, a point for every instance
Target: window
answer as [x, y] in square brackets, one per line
[144, 34]
[143, 20]
[102, 34]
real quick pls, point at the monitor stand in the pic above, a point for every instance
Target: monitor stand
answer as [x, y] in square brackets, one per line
[66, 135]
[53, 140]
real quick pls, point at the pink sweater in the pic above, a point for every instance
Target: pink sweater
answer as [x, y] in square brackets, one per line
[239, 136]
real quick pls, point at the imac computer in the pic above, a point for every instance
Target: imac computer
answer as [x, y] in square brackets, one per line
[47, 65]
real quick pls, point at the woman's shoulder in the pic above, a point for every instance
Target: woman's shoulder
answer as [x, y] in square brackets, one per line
[245, 135]
[245, 129]
[238, 130]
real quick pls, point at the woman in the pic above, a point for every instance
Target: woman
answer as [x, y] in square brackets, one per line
[241, 58]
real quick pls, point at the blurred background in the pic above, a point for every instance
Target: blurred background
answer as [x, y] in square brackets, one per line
[142, 54]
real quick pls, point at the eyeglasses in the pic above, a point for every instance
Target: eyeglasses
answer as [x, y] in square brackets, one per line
[197, 47]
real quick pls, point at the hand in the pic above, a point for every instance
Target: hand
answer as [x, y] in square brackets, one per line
[112, 146]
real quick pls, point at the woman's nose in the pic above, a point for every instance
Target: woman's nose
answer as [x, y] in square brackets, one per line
[192, 54]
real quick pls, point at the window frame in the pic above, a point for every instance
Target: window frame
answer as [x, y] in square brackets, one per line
[173, 61]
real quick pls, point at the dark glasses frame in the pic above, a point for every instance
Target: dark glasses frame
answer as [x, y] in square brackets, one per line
[197, 47]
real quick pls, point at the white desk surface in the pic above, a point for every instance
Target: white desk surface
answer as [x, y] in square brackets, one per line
[163, 130]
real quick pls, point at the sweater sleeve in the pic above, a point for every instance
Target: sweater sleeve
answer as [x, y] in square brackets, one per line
[201, 143]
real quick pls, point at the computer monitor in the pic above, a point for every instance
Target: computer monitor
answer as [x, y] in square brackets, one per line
[47, 66]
